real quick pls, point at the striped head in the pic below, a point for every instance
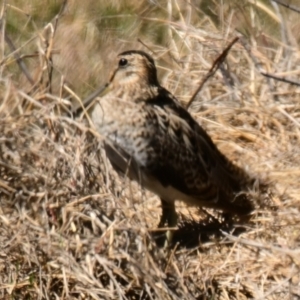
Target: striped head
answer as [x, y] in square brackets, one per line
[134, 68]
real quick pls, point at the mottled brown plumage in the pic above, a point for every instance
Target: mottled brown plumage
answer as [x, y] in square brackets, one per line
[153, 139]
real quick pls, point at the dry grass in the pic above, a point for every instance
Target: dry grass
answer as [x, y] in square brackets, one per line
[71, 228]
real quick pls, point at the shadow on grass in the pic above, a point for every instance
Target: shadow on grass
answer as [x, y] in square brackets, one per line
[192, 233]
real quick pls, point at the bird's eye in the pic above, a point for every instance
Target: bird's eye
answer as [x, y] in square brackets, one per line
[123, 62]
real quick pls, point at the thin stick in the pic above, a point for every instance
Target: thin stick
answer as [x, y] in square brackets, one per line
[216, 65]
[88, 100]
[289, 6]
[140, 41]
[279, 78]
[18, 58]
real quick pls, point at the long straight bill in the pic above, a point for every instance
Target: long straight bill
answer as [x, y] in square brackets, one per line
[77, 109]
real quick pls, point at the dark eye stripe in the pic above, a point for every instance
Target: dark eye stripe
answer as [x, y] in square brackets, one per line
[123, 62]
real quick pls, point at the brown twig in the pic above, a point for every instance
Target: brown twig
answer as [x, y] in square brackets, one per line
[279, 78]
[77, 109]
[49, 32]
[18, 58]
[141, 42]
[216, 65]
[287, 5]
[261, 70]
[259, 66]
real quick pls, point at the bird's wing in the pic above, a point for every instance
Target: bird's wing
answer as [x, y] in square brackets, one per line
[188, 159]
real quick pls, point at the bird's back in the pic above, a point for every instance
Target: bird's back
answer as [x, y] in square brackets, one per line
[189, 161]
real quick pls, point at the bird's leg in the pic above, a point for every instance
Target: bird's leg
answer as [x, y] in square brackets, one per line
[168, 216]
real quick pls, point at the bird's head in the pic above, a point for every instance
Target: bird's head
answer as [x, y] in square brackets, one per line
[134, 68]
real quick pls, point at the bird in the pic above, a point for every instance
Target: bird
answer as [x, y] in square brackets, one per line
[151, 138]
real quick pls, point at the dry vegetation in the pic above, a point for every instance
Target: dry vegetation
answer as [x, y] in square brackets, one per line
[70, 227]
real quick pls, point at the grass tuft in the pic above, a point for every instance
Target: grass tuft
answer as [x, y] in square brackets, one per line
[70, 227]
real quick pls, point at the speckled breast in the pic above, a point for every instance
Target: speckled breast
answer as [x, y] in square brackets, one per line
[124, 125]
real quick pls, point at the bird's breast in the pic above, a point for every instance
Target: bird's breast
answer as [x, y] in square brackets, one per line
[125, 125]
